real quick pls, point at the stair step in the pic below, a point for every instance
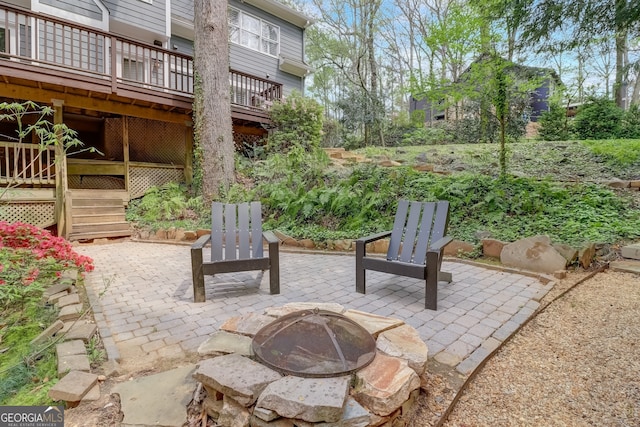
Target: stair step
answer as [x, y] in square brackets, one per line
[96, 210]
[96, 202]
[98, 235]
[95, 218]
[100, 227]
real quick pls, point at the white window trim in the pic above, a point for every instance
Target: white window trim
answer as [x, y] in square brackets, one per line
[262, 21]
[103, 24]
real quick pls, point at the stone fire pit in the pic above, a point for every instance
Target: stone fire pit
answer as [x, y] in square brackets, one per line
[243, 392]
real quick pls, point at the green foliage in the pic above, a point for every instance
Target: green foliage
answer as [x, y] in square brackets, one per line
[298, 122]
[630, 126]
[599, 119]
[616, 152]
[362, 201]
[426, 136]
[38, 125]
[553, 123]
[168, 203]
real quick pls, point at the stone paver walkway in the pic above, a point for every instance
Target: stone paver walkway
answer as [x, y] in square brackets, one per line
[142, 299]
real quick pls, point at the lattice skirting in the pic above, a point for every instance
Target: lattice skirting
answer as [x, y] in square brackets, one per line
[141, 179]
[95, 182]
[41, 214]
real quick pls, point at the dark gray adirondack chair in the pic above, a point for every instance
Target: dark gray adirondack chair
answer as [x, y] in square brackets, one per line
[236, 245]
[415, 248]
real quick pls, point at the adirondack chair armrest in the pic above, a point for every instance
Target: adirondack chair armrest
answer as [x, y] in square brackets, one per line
[201, 242]
[373, 237]
[438, 245]
[270, 237]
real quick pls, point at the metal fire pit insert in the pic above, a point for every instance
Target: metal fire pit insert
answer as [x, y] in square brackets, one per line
[314, 343]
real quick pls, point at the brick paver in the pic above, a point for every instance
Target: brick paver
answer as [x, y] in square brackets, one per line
[143, 298]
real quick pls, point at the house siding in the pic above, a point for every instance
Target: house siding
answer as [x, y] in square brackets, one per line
[87, 8]
[262, 65]
[138, 13]
[182, 45]
[183, 9]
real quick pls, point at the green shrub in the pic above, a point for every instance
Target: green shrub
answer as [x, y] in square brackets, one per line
[427, 136]
[298, 122]
[554, 124]
[601, 118]
[168, 203]
[630, 127]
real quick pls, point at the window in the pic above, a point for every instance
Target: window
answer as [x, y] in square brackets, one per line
[3, 40]
[133, 70]
[252, 32]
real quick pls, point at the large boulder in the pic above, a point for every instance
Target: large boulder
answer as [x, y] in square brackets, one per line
[533, 254]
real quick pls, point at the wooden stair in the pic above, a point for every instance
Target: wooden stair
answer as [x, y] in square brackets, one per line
[96, 215]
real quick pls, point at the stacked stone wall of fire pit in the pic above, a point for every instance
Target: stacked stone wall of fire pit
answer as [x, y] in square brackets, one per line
[242, 392]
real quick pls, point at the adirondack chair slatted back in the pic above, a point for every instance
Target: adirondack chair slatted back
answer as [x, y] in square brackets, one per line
[416, 226]
[236, 231]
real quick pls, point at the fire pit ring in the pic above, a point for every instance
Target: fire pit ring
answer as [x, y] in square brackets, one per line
[314, 343]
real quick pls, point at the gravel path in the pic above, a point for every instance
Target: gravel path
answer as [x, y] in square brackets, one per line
[576, 364]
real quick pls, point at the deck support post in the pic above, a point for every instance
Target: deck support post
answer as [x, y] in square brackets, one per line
[64, 228]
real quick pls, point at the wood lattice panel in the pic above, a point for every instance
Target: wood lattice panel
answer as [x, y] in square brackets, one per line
[141, 179]
[153, 141]
[41, 214]
[95, 182]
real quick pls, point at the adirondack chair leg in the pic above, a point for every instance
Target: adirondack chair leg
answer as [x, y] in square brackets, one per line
[360, 271]
[274, 268]
[198, 276]
[431, 289]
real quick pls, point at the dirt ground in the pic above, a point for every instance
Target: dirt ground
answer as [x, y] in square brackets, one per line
[576, 363]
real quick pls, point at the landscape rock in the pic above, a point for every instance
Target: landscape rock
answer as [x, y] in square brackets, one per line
[48, 333]
[223, 342]
[69, 348]
[457, 247]
[248, 324]
[236, 376]
[586, 255]
[492, 247]
[309, 399]
[60, 286]
[70, 312]
[404, 342]
[373, 323]
[73, 386]
[631, 251]
[233, 414]
[385, 384]
[74, 362]
[534, 254]
[81, 331]
[618, 183]
[568, 252]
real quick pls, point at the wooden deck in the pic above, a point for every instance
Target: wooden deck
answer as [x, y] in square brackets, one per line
[97, 71]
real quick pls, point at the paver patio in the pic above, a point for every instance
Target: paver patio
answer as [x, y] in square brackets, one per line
[142, 300]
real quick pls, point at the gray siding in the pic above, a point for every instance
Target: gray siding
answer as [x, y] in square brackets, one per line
[139, 13]
[183, 45]
[262, 65]
[86, 8]
[182, 8]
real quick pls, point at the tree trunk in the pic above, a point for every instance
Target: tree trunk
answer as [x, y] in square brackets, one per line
[212, 104]
[621, 28]
[620, 86]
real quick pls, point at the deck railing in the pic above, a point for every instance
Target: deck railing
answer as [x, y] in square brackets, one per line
[26, 164]
[51, 43]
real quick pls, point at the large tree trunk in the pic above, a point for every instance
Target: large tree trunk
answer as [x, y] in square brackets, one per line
[212, 105]
[620, 86]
